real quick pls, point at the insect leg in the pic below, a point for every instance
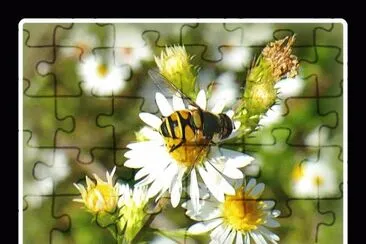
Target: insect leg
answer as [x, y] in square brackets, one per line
[176, 146]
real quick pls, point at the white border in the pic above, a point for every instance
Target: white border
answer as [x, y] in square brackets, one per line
[289, 21]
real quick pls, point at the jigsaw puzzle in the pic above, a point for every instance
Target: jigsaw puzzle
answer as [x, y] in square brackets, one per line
[84, 86]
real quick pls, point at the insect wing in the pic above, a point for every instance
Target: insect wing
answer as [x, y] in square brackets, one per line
[168, 88]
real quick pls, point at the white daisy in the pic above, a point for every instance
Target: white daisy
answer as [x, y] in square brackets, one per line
[314, 179]
[239, 218]
[79, 39]
[165, 171]
[102, 79]
[130, 48]
[132, 212]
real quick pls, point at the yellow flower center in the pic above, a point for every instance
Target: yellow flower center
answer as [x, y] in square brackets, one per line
[188, 154]
[298, 172]
[242, 213]
[318, 180]
[102, 197]
[102, 70]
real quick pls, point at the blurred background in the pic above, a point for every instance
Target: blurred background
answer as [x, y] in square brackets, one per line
[84, 85]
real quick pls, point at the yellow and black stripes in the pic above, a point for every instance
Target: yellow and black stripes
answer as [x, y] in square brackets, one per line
[194, 127]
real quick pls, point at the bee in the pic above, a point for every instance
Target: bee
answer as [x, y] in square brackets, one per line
[188, 133]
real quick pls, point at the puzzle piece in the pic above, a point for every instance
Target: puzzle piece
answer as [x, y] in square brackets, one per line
[48, 123]
[163, 34]
[321, 82]
[79, 40]
[201, 35]
[329, 232]
[81, 138]
[40, 83]
[42, 34]
[44, 220]
[82, 229]
[47, 71]
[315, 222]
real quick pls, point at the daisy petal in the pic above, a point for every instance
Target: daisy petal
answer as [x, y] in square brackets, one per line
[170, 173]
[257, 237]
[147, 180]
[151, 120]
[159, 181]
[276, 213]
[225, 234]
[130, 163]
[201, 99]
[271, 223]
[142, 145]
[194, 191]
[219, 179]
[163, 104]
[239, 238]
[252, 182]
[155, 187]
[219, 106]
[237, 159]
[230, 113]
[268, 234]
[176, 189]
[246, 238]
[150, 133]
[233, 173]
[203, 227]
[214, 189]
[217, 232]
[257, 191]
[208, 210]
[230, 238]
[268, 205]
[141, 173]
[178, 103]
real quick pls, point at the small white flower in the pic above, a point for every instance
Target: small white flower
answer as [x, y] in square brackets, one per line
[131, 205]
[226, 89]
[100, 78]
[82, 39]
[238, 219]
[314, 179]
[130, 48]
[235, 58]
[165, 171]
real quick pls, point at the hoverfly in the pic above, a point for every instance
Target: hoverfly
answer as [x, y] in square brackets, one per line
[188, 133]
